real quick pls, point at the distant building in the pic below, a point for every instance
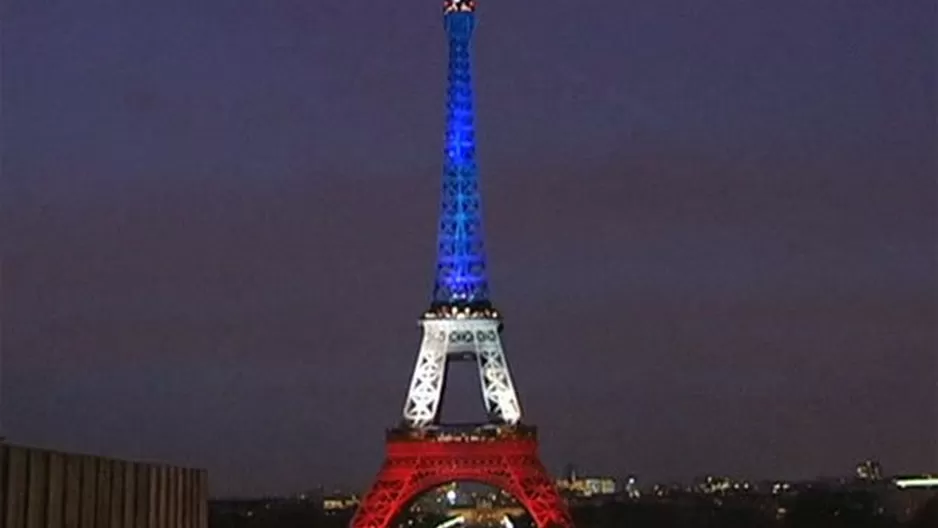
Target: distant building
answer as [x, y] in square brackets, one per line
[632, 490]
[339, 502]
[869, 470]
[711, 485]
[584, 487]
[573, 485]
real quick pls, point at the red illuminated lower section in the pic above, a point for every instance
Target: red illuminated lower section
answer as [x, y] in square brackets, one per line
[502, 457]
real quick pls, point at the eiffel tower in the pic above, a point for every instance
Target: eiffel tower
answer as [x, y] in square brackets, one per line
[461, 324]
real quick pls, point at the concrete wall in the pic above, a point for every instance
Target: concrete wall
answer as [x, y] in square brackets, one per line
[48, 489]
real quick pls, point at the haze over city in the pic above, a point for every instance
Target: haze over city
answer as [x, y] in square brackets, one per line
[711, 229]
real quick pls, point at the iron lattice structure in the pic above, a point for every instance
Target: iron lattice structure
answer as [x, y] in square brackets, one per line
[460, 267]
[504, 457]
[461, 324]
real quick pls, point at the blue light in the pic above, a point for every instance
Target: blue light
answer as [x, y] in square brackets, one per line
[460, 271]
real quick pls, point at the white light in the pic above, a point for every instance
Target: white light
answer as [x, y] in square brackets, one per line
[426, 387]
[451, 496]
[917, 482]
[452, 522]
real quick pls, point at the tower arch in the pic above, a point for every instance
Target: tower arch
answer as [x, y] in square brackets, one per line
[487, 501]
[502, 457]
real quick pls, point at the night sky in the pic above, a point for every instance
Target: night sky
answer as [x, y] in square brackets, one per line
[711, 228]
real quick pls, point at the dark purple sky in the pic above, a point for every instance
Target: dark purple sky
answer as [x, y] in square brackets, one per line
[712, 229]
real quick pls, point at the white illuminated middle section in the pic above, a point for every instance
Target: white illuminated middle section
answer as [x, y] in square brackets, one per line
[447, 338]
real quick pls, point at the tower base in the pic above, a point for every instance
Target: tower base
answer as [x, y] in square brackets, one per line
[504, 457]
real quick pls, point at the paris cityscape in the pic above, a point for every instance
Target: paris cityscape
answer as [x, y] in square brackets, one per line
[670, 265]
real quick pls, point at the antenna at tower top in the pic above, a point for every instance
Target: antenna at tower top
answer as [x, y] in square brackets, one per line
[459, 6]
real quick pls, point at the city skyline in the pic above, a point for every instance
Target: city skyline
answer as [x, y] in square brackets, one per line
[709, 228]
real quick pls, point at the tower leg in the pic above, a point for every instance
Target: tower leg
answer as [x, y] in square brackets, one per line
[498, 391]
[426, 386]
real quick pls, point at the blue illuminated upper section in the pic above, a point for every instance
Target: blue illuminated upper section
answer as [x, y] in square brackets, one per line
[461, 278]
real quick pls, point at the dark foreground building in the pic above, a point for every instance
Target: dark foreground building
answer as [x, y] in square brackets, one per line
[49, 489]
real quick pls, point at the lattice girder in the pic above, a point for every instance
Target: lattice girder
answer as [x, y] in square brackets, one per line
[460, 268]
[413, 467]
[446, 338]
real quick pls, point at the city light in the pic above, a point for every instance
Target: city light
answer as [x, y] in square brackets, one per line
[918, 482]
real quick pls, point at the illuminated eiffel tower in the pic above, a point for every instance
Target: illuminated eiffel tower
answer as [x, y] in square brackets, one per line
[461, 324]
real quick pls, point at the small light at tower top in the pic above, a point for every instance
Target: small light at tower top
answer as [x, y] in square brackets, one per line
[458, 6]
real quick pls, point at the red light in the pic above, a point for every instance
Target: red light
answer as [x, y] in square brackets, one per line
[413, 466]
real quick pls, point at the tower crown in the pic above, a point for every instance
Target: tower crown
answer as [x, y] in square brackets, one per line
[461, 278]
[458, 6]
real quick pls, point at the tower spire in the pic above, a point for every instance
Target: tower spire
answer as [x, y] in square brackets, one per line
[461, 278]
